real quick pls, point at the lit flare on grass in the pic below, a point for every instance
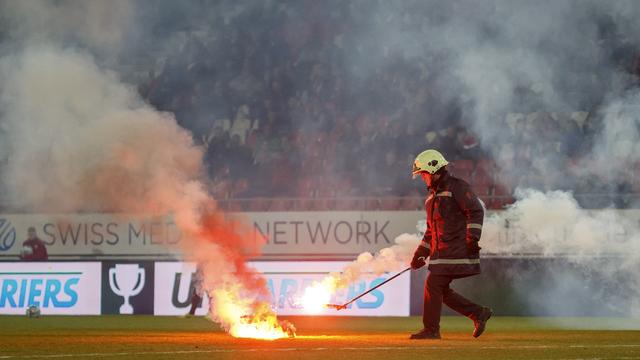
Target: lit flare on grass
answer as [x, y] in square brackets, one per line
[261, 324]
[318, 295]
[268, 329]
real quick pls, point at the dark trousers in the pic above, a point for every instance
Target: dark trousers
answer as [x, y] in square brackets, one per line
[437, 291]
[196, 301]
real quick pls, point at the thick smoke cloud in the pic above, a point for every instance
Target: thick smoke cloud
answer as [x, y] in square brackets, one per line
[77, 139]
[82, 141]
[97, 25]
[510, 66]
[516, 71]
[390, 259]
[567, 229]
[601, 245]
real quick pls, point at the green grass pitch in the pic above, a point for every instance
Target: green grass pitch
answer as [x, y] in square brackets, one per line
[148, 337]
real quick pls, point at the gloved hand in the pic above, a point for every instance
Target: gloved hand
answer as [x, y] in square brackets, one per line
[473, 248]
[419, 257]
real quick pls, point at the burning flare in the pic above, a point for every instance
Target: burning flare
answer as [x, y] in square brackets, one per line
[268, 328]
[135, 160]
[245, 316]
[317, 296]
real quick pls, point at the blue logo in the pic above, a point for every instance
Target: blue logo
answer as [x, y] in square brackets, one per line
[39, 289]
[7, 235]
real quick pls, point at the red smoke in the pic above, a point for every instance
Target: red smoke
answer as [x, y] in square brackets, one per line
[236, 241]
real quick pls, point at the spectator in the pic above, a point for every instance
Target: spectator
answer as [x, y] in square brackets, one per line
[241, 123]
[33, 249]
[198, 291]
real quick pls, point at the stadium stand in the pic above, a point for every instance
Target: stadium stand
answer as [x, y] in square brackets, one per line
[288, 125]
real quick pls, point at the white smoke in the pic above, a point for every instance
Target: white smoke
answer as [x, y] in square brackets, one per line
[566, 56]
[389, 259]
[616, 152]
[77, 139]
[74, 137]
[553, 223]
[603, 245]
[99, 25]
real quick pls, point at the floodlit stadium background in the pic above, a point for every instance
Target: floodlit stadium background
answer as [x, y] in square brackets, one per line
[301, 119]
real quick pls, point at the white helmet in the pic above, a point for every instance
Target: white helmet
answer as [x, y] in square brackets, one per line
[430, 161]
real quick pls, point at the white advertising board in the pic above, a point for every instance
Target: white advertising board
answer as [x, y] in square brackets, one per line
[338, 235]
[330, 235]
[173, 289]
[286, 282]
[57, 288]
[90, 234]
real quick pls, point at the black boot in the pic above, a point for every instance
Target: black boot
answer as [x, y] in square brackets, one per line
[480, 321]
[425, 334]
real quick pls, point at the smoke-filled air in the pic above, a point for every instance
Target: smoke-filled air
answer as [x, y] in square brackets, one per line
[78, 139]
[191, 109]
[318, 295]
[543, 96]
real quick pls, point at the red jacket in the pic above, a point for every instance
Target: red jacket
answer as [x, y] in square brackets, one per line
[454, 224]
[38, 250]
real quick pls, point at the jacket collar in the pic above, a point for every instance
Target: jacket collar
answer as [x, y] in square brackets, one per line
[441, 181]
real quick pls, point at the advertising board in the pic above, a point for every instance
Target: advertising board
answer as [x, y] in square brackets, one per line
[57, 288]
[338, 235]
[286, 282]
[127, 287]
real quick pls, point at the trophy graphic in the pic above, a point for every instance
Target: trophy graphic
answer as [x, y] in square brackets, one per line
[125, 285]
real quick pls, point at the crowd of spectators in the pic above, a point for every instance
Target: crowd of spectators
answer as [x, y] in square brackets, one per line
[273, 96]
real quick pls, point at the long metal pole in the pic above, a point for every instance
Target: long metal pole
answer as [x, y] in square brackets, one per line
[344, 306]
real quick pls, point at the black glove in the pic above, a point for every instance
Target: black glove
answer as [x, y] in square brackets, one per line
[419, 257]
[473, 248]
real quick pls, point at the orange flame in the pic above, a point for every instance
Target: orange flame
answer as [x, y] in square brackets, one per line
[245, 318]
[268, 329]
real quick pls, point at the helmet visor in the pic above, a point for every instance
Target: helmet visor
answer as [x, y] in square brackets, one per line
[416, 170]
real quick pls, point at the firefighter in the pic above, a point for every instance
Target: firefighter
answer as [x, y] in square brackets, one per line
[454, 225]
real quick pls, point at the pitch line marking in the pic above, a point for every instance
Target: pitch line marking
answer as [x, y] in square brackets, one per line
[608, 345]
[211, 351]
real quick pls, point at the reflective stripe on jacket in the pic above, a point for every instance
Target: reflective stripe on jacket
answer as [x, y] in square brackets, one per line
[454, 225]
